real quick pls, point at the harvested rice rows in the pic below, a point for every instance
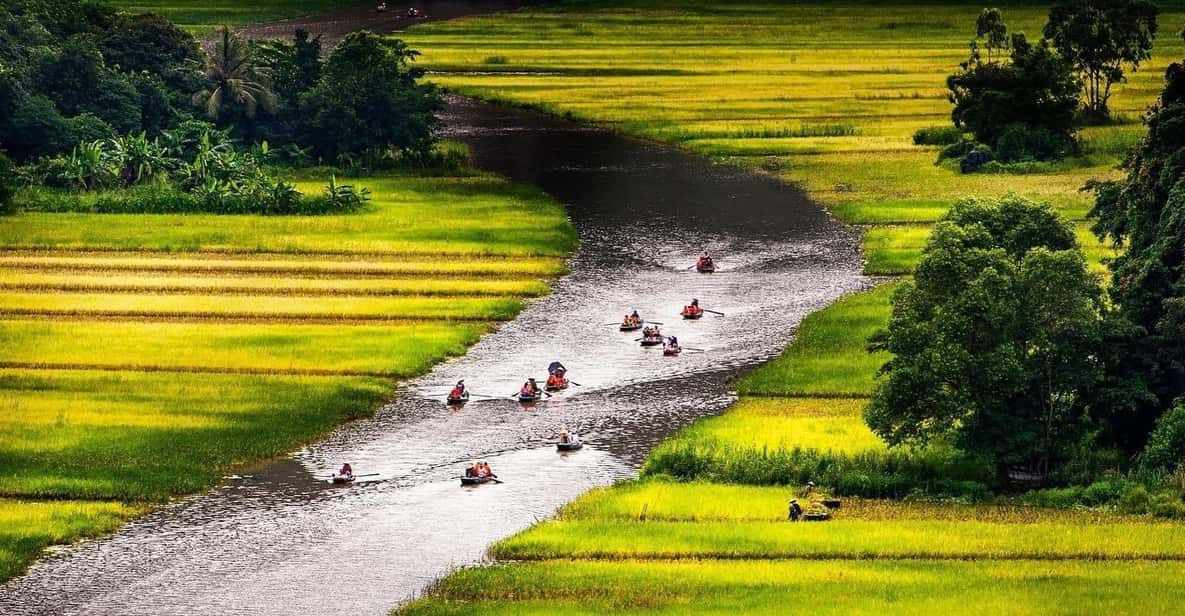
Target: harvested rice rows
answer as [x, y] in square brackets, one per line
[140, 356]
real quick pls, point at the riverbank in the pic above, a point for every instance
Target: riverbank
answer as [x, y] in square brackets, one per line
[826, 97]
[145, 355]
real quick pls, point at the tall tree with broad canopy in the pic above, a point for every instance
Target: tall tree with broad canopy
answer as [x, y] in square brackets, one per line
[369, 99]
[1030, 98]
[994, 340]
[1100, 37]
[1145, 213]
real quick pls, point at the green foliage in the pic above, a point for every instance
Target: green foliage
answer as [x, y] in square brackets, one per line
[150, 43]
[1145, 212]
[237, 83]
[369, 100]
[1165, 450]
[938, 135]
[7, 184]
[994, 341]
[1100, 37]
[1034, 90]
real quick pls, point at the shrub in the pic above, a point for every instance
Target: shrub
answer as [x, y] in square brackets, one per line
[1019, 142]
[938, 135]
[1166, 445]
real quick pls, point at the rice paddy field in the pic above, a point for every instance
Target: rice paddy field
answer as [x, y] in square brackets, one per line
[202, 16]
[825, 95]
[142, 356]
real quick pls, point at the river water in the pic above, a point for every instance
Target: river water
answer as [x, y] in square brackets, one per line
[278, 541]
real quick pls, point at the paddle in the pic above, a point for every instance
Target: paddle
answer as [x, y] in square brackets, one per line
[713, 312]
[694, 349]
[654, 322]
[575, 383]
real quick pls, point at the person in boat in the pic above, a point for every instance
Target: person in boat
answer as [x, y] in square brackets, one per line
[458, 391]
[635, 319]
[705, 262]
[413, 12]
[565, 438]
[556, 378]
[672, 344]
[480, 471]
[346, 472]
[471, 471]
[530, 388]
[795, 510]
[693, 309]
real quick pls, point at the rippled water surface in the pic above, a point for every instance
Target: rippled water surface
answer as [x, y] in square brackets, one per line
[280, 542]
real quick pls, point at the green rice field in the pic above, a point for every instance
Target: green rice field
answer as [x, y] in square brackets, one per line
[825, 95]
[142, 356]
[204, 16]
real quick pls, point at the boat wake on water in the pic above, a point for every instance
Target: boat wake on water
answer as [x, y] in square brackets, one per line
[279, 539]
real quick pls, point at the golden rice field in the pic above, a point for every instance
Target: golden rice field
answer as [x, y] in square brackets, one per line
[141, 356]
[827, 96]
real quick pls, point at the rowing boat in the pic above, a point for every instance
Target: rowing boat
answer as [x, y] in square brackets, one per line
[529, 398]
[705, 268]
[693, 315]
[462, 400]
[343, 479]
[568, 446]
[669, 351]
[630, 328]
[649, 342]
[475, 481]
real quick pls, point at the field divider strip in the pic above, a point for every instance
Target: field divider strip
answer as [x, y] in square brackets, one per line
[247, 317]
[213, 254]
[19, 365]
[49, 288]
[724, 556]
[316, 272]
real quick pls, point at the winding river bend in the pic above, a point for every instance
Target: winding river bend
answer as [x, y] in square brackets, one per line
[281, 542]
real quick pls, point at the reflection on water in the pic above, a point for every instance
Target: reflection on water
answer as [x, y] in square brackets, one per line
[277, 541]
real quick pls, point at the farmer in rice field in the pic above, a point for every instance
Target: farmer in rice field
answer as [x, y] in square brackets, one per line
[795, 510]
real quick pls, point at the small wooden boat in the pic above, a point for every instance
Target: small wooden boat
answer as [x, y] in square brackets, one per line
[462, 400]
[630, 328]
[705, 268]
[654, 341]
[529, 398]
[475, 481]
[693, 315]
[670, 351]
[559, 387]
[569, 446]
[342, 479]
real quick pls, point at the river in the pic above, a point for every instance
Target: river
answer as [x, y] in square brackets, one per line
[282, 542]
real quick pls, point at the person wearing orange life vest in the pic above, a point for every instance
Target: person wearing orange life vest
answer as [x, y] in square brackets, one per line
[693, 310]
[556, 379]
[458, 391]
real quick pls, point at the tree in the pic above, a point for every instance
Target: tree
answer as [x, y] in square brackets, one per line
[149, 43]
[369, 100]
[991, 27]
[1100, 37]
[994, 340]
[1033, 96]
[294, 67]
[7, 184]
[1145, 213]
[237, 83]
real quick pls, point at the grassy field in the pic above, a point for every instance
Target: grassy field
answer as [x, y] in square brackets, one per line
[827, 96]
[144, 355]
[200, 16]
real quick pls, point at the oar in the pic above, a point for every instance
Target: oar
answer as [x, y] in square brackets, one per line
[693, 349]
[575, 383]
[654, 322]
[368, 475]
[713, 312]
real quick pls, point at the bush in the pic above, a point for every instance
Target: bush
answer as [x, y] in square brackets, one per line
[1021, 142]
[959, 149]
[894, 474]
[938, 135]
[1166, 445]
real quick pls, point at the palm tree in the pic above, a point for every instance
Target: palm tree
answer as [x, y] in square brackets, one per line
[235, 79]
